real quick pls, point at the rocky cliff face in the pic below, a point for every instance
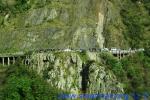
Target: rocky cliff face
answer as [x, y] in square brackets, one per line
[30, 24]
[39, 24]
[55, 24]
[76, 72]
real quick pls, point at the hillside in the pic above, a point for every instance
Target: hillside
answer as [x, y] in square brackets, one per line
[29, 24]
[71, 28]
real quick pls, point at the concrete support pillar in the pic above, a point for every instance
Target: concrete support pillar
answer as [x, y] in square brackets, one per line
[120, 55]
[130, 52]
[8, 61]
[23, 60]
[13, 60]
[27, 60]
[3, 61]
[38, 61]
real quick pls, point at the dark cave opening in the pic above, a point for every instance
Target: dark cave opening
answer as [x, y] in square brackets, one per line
[85, 76]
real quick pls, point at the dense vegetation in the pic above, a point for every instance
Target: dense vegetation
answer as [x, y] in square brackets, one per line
[137, 69]
[23, 84]
[127, 22]
[133, 71]
[13, 6]
[136, 17]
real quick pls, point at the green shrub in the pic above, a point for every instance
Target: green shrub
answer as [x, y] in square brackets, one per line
[24, 84]
[19, 6]
[114, 64]
[137, 69]
[133, 71]
[136, 19]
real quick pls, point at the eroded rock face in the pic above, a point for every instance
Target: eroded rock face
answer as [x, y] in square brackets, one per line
[9, 2]
[38, 16]
[74, 73]
[62, 71]
[102, 81]
[57, 24]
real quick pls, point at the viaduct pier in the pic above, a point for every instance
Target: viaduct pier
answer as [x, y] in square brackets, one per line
[10, 59]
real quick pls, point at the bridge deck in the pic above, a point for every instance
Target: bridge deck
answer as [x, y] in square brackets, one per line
[10, 58]
[12, 54]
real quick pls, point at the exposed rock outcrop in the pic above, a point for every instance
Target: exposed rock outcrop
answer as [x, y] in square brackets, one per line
[56, 24]
[76, 72]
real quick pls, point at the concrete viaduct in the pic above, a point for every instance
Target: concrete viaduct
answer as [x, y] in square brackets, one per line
[10, 59]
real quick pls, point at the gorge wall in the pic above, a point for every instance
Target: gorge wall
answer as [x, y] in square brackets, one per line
[60, 24]
[39, 24]
[76, 72]
[54, 24]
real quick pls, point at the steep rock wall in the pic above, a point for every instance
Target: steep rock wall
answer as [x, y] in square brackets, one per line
[76, 72]
[114, 26]
[70, 23]
[55, 24]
